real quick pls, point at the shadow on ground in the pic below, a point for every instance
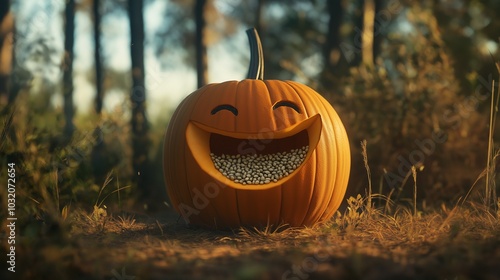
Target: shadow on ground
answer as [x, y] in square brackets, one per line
[161, 247]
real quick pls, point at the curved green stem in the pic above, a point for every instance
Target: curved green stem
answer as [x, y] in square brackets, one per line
[256, 67]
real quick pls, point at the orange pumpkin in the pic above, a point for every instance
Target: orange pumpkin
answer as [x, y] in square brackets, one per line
[255, 153]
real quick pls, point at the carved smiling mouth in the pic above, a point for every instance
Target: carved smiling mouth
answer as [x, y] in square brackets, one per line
[260, 160]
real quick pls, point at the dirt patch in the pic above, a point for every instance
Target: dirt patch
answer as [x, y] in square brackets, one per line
[459, 244]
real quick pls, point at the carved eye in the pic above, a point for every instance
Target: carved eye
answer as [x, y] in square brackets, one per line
[287, 104]
[228, 107]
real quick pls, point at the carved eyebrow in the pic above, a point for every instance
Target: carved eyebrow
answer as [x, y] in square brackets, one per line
[287, 104]
[228, 107]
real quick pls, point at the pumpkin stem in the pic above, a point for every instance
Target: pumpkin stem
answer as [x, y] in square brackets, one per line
[256, 68]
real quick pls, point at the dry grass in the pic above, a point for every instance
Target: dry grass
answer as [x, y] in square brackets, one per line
[459, 243]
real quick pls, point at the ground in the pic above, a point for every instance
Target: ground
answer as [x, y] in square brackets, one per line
[458, 243]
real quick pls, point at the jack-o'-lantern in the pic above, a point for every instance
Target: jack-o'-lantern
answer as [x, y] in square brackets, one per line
[256, 152]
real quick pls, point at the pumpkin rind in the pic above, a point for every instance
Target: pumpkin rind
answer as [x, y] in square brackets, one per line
[311, 194]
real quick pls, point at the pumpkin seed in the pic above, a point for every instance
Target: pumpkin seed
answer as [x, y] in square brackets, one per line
[259, 169]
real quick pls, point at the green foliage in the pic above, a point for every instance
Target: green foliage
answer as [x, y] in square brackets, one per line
[53, 173]
[354, 214]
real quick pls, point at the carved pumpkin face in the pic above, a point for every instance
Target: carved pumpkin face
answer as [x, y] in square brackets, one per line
[256, 153]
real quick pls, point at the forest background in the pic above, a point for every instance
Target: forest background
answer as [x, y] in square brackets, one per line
[87, 89]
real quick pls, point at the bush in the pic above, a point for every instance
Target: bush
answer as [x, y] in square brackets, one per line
[53, 173]
[410, 110]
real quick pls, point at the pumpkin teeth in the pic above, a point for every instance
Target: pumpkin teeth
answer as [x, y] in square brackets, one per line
[259, 169]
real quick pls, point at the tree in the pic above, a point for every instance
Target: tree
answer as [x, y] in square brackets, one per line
[332, 54]
[97, 56]
[99, 149]
[472, 40]
[291, 37]
[354, 36]
[351, 46]
[6, 50]
[138, 95]
[201, 48]
[69, 39]
[258, 15]
[178, 38]
[368, 32]
[381, 23]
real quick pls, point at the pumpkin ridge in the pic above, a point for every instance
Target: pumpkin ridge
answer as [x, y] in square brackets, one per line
[268, 87]
[332, 187]
[179, 194]
[316, 163]
[273, 125]
[273, 86]
[342, 168]
[340, 136]
[199, 93]
[307, 113]
[236, 194]
[335, 186]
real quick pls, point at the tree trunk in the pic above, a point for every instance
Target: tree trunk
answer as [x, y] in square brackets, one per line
[69, 39]
[357, 35]
[335, 61]
[6, 50]
[380, 26]
[258, 15]
[201, 49]
[368, 31]
[97, 56]
[332, 52]
[98, 154]
[138, 95]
